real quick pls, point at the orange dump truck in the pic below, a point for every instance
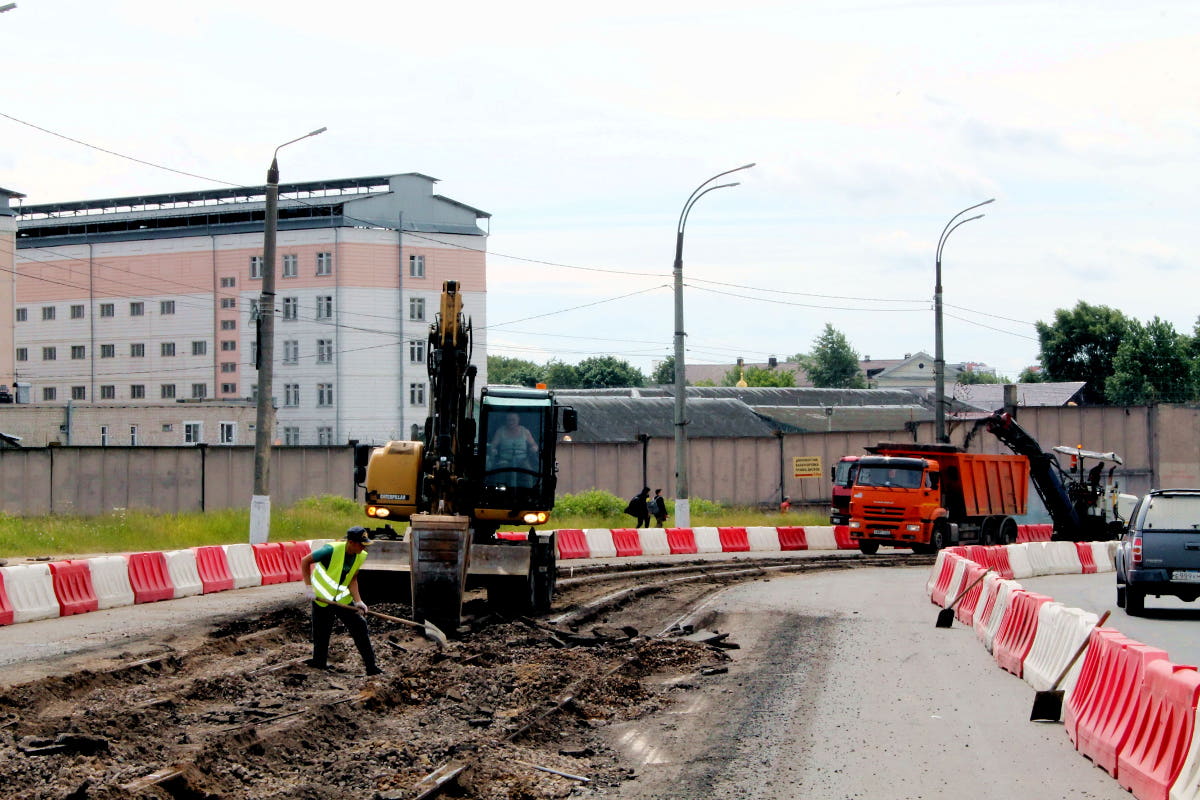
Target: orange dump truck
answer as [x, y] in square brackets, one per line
[929, 496]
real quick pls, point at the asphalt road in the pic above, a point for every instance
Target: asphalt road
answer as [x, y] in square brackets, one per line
[1168, 623]
[843, 688]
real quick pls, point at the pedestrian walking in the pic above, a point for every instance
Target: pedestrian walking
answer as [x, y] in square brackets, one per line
[658, 508]
[639, 507]
[330, 576]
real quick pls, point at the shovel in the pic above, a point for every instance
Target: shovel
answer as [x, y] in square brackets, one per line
[430, 630]
[946, 615]
[1047, 705]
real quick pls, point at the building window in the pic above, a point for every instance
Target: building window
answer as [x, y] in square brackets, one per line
[167, 348]
[290, 306]
[228, 302]
[416, 309]
[108, 392]
[324, 306]
[291, 351]
[324, 434]
[166, 307]
[228, 366]
[78, 351]
[137, 309]
[416, 394]
[229, 345]
[47, 313]
[289, 266]
[133, 438]
[199, 348]
[104, 436]
[291, 395]
[228, 433]
[291, 436]
[324, 263]
[79, 393]
[22, 315]
[228, 388]
[416, 351]
[229, 324]
[324, 351]
[256, 265]
[228, 282]
[49, 393]
[108, 309]
[199, 391]
[77, 312]
[49, 354]
[136, 350]
[137, 391]
[167, 391]
[416, 266]
[193, 433]
[22, 354]
[324, 394]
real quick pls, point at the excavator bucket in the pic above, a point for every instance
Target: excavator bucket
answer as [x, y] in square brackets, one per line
[439, 552]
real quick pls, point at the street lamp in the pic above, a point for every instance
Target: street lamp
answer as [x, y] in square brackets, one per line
[939, 361]
[260, 502]
[683, 514]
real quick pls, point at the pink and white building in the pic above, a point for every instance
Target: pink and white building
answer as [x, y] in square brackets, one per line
[153, 300]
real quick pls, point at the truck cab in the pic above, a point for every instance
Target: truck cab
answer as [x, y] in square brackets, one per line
[893, 501]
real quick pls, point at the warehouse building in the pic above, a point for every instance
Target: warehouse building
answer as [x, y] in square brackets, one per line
[153, 300]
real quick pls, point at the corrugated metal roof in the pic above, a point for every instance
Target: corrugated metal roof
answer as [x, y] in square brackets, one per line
[765, 395]
[846, 418]
[990, 396]
[621, 419]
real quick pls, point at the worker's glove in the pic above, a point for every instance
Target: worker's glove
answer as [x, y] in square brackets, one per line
[309, 594]
[361, 606]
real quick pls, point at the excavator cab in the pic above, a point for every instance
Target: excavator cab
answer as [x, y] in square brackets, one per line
[518, 430]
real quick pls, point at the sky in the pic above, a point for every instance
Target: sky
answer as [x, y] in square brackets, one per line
[584, 128]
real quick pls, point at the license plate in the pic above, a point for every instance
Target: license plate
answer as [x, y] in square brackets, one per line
[883, 533]
[1186, 576]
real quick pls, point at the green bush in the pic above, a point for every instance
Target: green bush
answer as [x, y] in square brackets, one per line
[593, 503]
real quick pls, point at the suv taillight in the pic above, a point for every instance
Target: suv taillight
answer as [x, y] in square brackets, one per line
[1136, 551]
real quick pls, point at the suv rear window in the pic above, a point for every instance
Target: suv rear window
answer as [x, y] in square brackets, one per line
[1172, 512]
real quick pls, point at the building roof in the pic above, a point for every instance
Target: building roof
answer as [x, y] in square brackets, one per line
[814, 419]
[622, 419]
[990, 396]
[765, 395]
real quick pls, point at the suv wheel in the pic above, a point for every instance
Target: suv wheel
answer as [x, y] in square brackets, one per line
[1135, 601]
[1120, 597]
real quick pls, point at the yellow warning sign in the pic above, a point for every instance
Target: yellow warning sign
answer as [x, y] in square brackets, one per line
[806, 467]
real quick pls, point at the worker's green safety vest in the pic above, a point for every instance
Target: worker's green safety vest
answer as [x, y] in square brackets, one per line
[326, 587]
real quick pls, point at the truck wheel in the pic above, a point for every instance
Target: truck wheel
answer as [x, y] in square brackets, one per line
[1008, 531]
[1120, 597]
[868, 548]
[937, 537]
[1135, 601]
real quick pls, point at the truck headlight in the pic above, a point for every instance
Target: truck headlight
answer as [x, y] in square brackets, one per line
[912, 527]
[535, 517]
[855, 523]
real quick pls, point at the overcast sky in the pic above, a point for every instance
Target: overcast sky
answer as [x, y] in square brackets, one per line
[583, 127]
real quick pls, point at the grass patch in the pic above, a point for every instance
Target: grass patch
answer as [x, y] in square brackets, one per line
[315, 518]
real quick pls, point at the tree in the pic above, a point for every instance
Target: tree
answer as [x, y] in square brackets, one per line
[1031, 375]
[664, 373]
[600, 372]
[561, 376]
[757, 376]
[969, 376]
[1081, 345]
[506, 371]
[833, 363]
[1152, 365]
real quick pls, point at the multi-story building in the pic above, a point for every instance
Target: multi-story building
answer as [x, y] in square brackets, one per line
[154, 299]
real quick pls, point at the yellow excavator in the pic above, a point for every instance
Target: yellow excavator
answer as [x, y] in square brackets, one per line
[477, 468]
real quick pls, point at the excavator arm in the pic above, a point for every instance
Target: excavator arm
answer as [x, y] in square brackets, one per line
[1044, 471]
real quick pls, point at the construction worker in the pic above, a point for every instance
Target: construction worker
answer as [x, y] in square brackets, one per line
[330, 577]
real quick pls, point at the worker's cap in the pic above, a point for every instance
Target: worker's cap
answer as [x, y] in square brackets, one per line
[358, 534]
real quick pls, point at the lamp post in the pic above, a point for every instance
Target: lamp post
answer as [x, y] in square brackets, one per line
[260, 502]
[683, 514]
[939, 361]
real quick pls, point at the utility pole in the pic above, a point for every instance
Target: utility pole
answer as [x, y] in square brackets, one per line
[264, 359]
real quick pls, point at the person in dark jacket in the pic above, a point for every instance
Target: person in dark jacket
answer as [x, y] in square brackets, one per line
[639, 507]
[658, 508]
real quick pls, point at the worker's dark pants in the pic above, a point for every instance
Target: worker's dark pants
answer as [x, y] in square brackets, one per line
[322, 627]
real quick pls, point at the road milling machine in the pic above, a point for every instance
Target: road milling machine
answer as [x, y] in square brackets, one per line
[478, 467]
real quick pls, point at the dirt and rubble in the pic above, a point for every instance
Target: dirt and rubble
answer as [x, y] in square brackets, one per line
[241, 716]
